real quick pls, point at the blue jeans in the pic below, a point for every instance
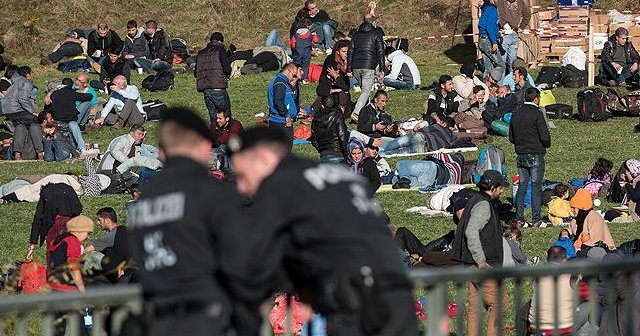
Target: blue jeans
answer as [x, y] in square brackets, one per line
[148, 65]
[222, 155]
[303, 57]
[366, 78]
[419, 172]
[325, 33]
[54, 151]
[216, 100]
[274, 40]
[510, 51]
[490, 59]
[530, 169]
[318, 326]
[406, 144]
[84, 108]
[611, 73]
[74, 129]
[398, 84]
[332, 158]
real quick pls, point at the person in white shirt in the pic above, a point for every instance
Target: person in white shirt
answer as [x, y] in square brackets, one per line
[125, 98]
[128, 151]
[464, 83]
[404, 73]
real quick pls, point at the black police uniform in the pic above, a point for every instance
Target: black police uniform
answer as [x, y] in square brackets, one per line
[176, 227]
[316, 226]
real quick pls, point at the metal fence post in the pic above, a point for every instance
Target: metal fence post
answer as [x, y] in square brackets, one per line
[436, 309]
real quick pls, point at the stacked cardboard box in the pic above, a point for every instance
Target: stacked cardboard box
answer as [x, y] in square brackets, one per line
[544, 30]
[573, 30]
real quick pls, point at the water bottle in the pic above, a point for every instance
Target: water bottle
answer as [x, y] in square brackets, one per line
[88, 319]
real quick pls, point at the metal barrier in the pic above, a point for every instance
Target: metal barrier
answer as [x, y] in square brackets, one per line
[439, 284]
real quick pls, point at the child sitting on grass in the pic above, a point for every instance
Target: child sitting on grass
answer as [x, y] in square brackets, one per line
[559, 206]
[599, 179]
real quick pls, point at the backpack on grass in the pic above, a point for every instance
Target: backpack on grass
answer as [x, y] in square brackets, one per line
[573, 77]
[490, 158]
[161, 81]
[550, 76]
[559, 111]
[623, 103]
[592, 105]
[154, 109]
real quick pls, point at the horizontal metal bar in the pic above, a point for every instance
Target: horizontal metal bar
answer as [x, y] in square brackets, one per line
[114, 295]
[464, 274]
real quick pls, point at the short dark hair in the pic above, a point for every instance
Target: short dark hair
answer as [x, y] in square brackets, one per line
[24, 70]
[136, 128]
[108, 213]
[556, 254]
[225, 113]
[380, 93]
[478, 88]
[10, 71]
[114, 50]
[217, 36]
[304, 23]
[521, 70]
[622, 31]
[341, 44]
[67, 82]
[132, 24]
[444, 79]
[449, 122]
[389, 50]
[151, 24]
[134, 188]
[308, 2]
[531, 94]
[328, 101]
[560, 189]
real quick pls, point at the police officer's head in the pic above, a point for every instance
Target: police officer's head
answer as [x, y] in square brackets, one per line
[184, 133]
[492, 183]
[255, 155]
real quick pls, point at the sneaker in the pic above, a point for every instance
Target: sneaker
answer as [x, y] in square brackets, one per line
[540, 224]
[329, 51]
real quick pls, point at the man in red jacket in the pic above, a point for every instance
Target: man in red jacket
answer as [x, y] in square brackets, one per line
[222, 130]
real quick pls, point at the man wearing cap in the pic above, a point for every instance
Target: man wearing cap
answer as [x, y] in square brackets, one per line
[283, 109]
[212, 76]
[529, 134]
[176, 228]
[478, 243]
[314, 240]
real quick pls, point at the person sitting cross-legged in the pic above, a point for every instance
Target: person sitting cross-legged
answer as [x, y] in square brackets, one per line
[224, 128]
[125, 98]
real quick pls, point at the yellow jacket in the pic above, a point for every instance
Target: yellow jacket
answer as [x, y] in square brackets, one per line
[559, 209]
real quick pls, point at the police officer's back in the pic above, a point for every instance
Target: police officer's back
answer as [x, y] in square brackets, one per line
[317, 223]
[175, 232]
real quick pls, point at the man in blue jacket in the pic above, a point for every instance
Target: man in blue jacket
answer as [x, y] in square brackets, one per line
[489, 33]
[283, 108]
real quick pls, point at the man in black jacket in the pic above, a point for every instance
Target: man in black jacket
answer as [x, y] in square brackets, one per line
[66, 113]
[521, 82]
[478, 243]
[334, 80]
[619, 59]
[366, 53]
[373, 120]
[329, 132]
[529, 133]
[307, 227]
[443, 100]
[176, 232]
[100, 41]
[161, 56]
[212, 75]
[113, 66]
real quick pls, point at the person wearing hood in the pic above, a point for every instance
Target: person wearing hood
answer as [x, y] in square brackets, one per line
[588, 226]
[160, 54]
[514, 15]
[619, 59]
[489, 37]
[135, 45]
[212, 76]
[366, 54]
[329, 132]
[404, 73]
[464, 83]
[302, 43]
[364, 165]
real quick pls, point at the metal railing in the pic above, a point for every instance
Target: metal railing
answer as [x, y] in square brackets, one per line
[438, 285]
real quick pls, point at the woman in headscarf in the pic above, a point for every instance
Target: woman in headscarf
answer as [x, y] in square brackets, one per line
[363, 165]
[588, 226]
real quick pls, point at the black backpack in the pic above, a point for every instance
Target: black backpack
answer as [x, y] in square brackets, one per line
[592, 105]
[559, 111]
[573, 77]
[550, 76]
[154, 109]
[161, 81]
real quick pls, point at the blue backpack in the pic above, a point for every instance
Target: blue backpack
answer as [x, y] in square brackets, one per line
[491, 158]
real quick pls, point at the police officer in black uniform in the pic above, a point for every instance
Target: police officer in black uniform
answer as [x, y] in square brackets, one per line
[176, 229]
[315, 228]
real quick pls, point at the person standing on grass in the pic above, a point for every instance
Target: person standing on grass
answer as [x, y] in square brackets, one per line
[283, 109]
[212, 76]
[530, 135]
[478, 243]
[489, 37]
[514, 15]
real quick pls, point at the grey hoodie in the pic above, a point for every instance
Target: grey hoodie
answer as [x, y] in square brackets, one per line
[19, 97]
[136, 46]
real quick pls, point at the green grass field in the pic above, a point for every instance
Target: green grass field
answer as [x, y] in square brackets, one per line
[575, 146]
